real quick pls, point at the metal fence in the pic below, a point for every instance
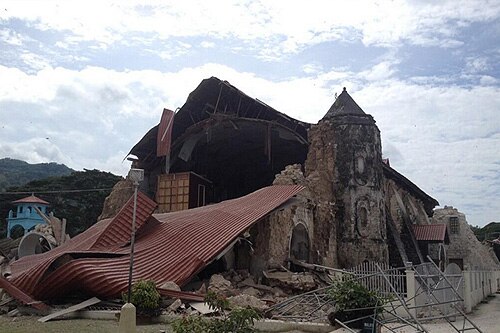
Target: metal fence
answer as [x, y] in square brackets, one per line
[369, 274]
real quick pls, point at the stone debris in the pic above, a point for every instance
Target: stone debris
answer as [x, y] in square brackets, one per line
[219, 285]
[292, 175]
[251, 291]
[289, 281]
[121, 193]
[47, 232]
[244, 301]
[170, 285]
[175, 306]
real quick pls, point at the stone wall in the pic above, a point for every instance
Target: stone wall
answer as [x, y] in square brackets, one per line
[321, 174]
[403, 210]
[344, 171]
[463, 243]
[283, 222]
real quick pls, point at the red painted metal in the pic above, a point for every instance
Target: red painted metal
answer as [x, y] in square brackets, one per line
[430, 232]
[19, 295]
[118, 231]
[169, 247]
[164, 136]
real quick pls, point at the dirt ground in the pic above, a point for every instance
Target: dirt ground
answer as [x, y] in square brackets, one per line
[30, 324]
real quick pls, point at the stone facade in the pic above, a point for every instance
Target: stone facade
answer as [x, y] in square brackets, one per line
[342, 209]
[464, 248]
[348, 140]
[404, 209]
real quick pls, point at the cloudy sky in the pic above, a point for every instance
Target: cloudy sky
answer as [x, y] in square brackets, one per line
[81, 81]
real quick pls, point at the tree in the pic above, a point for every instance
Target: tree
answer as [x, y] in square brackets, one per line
[80, 207]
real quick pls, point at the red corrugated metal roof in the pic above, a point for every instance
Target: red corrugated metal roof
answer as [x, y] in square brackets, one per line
[20, 295]
[169, 247]
[118, 231]
[164, 136]
[31, 199]
[431, 232]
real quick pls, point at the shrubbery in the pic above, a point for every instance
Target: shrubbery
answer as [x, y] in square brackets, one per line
[236, 321]
[145, 297]
[353, 300]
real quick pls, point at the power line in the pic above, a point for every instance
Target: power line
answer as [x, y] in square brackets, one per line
[62, 191]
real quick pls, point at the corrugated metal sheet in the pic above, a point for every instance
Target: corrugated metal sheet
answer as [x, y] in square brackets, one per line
[169, 247]
[118, 231]
[164, 135]
[431, 232]
[20, 295]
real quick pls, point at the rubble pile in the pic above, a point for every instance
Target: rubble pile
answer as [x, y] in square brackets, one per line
[243, 290]
[122, 191]
[47, 232]
[292, 175]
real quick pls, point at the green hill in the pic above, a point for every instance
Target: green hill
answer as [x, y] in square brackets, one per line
[488, 232]
[73, 197]
[16, 173]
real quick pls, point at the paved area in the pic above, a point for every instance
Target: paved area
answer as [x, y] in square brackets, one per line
[486, 316]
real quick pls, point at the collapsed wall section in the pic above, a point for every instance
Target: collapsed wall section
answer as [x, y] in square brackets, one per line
[464, 248]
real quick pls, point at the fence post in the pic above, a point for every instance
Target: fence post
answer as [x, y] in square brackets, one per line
[411, 291]
[467, 289]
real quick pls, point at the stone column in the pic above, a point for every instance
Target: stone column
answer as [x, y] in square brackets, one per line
[467, 289]
[411, 291]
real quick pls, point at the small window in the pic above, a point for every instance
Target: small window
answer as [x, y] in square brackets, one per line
[201, 195]
[454, 225]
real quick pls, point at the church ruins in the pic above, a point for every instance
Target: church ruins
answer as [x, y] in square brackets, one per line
[222, 144]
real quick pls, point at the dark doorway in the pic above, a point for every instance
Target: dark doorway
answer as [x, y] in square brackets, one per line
[299, 245]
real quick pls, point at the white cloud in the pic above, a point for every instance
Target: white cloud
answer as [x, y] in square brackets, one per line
[11, 37]
[207, 45]
[487, 80]
[280, 27]
[35, 150]
[477, 65]
[312, 68]
[380, 71]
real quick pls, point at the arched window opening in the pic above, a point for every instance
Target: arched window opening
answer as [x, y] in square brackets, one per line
[17, 231]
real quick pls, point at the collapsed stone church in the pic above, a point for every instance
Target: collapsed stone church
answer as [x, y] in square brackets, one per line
[222, 144]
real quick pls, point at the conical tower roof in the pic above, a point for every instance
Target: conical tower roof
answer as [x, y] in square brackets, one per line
[344, 105]
[31, 199]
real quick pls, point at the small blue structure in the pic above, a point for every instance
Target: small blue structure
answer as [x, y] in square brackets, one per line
[26, 215]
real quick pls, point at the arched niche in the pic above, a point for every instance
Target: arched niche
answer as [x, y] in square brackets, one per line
[299, 243]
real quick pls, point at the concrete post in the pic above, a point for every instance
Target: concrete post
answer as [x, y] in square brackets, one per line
[411, 291]
[467, 290]
[127, 319]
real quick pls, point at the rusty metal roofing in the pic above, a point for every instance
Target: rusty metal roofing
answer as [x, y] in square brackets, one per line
[431, 232]
[169, 247]
[20, 295]
[119, 230]
[164, 137]
[31, 199]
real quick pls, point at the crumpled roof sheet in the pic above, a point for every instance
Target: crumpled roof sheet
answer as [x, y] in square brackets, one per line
[20, 295]
[431, 232]
[169, 247]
